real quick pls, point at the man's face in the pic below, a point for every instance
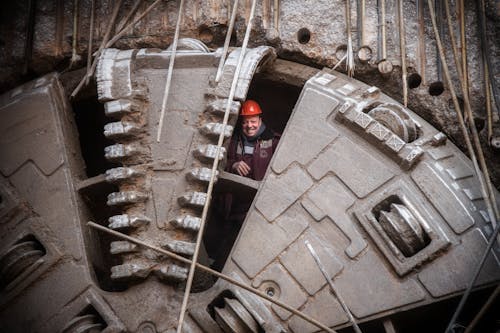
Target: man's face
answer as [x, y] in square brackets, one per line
[250, 125]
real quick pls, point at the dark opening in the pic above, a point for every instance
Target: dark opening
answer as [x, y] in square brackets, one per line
[98, 243]
[90, 120]
[303, 36]
[480, 123]
[414, 80]
[436, 88]
[232, 200]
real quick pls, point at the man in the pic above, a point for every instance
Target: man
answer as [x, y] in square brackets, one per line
[249, 154]
[252, 147]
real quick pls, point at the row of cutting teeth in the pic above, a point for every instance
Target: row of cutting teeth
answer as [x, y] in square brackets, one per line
[206, 153]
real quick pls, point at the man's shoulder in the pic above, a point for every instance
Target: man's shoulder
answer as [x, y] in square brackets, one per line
[269, 134]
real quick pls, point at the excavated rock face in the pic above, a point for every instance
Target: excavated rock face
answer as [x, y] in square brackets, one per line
[312, 32]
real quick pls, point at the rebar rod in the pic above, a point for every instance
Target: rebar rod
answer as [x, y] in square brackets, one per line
[30, 31]
[483, 310]
[488, 191]
[328, 279]
[276, 13]
[471, 152]
[402, 46]
[384, 37]
[137, 19]
[422, 59]
[227, 41]
[74, 43]
[59, 27]
[131, 12]
[215, 165]
[212, 272]
[91, 40]
[350, 53]
[170, 71]
[463, 44]
[109, 28]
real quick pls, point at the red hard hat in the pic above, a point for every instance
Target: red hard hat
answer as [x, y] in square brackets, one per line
[250, 108]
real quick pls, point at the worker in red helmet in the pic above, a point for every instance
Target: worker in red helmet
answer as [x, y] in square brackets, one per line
[253, 145]
[249, 154]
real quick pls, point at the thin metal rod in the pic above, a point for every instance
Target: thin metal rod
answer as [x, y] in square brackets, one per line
[212, 272]
[384, 41]
[362, 22]
[479, 267]
[463, 44]
[489, 112]
[276, 13]
[483, 310]
[340, 61]
[486, 72]
[91, 40]
[74, 44]
[170, 71]
[472, 155]
[227, 41]
[101, 47]
[59, 27]
[402, 46]
[488, 191]
[485, 49]
[215, 165]
[30, 31]
[421, 40]
[350, 52]
[132, 11]
[137, 19]
[438, 7]
[332, 287]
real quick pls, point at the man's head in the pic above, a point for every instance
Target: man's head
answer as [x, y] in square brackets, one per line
[250, 118]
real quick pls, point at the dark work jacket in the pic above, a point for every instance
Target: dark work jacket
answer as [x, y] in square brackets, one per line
[262, 154]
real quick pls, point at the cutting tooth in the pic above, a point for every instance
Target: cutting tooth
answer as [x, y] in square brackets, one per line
[201, 174]
[120, 129]
[187, 222]
[121, 174]
[218, 106]
[126, 221]
[126, 197]
[122, 247]
[209, 152]
[120, 151]
[130, 271]
[180, 247]
[172, 272]
[215, 129]
[119, 108]
[195, 199]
